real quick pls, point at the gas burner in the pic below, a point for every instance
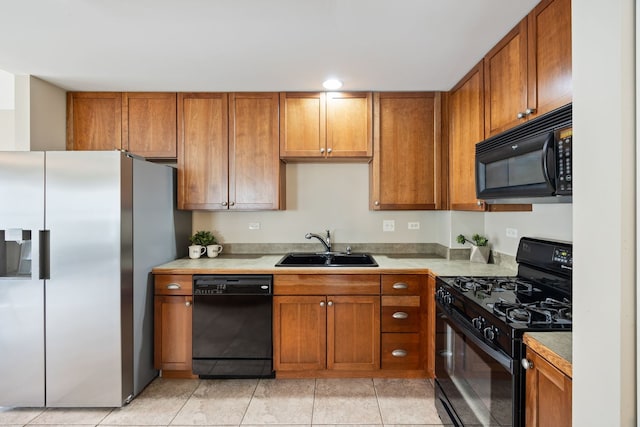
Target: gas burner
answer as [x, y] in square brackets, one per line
[487, 285]
[547, 312]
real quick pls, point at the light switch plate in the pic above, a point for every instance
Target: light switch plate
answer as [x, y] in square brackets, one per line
[512, 232]
[413, 225]
[254, 226]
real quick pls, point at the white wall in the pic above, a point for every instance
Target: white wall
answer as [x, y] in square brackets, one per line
[604, 313]
[321, 196]
[7, 130]
[545, 221]
[47, 120]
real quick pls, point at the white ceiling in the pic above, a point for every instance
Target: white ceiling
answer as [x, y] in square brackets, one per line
[245, 45]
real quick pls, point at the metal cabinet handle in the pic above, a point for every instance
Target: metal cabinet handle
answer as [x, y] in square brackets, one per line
[400, 315]
[377, 203]
[321, 303]
[529, 111]
[400, 285]
[174, 286]
[399, 353]
[187, 303]
[330, 303]
[527, 364]
[329, 150]
[322, 150]
[232, 204]
[224, 203]
[521, 115]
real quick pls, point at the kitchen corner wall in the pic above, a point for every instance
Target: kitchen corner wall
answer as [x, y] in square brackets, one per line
[336, 196]
[321, 196]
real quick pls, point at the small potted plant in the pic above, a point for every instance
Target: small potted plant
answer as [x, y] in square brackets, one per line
[480, 250]
[199, 242]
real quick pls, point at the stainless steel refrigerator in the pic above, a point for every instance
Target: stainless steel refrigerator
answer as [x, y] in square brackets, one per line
[79, 234]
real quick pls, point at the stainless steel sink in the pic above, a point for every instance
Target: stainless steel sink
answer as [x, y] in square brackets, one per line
[332, 259]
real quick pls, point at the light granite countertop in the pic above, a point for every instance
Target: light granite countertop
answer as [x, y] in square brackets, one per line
[265, 264]
[553, 346]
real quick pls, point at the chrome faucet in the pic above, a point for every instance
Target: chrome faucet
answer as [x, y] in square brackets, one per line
[326, 241]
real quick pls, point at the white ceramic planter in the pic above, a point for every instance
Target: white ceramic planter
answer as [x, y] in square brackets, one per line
[480, 254]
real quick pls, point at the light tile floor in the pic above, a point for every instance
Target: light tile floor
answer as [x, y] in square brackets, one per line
[285, 403]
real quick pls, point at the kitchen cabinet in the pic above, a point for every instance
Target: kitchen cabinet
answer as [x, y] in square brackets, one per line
[325, 125]
[228, 152]
[548, 393]
[403, 321]
[143, 123]
[326, 323]
[149, 124]
[528, 73]
[466, 129]
[406, 170]
[172, 325]
[94, 120]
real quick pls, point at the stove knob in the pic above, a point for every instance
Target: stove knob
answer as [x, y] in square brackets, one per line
[448, 299]
[477, 322]
[489, 333]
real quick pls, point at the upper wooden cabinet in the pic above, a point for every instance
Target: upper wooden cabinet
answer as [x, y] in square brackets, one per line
[94, 120]
[141, 123]
[228, 152]
[149, 124]
[329, 125]
[528, 73]
[406, 169]
[466, 129]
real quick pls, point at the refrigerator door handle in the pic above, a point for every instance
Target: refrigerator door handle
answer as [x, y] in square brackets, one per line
[45, 251]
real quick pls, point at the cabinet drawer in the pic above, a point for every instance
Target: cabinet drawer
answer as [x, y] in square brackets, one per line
[402, 284]
[326, 284]
[401, 351]
[400, 319]
[173, 284]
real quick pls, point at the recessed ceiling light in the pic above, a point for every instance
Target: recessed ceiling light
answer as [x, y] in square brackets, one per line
[332, 84]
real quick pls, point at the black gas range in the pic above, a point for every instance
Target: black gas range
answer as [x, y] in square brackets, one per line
[480, 322]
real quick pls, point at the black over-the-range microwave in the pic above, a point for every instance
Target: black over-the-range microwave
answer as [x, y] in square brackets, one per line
[531, 163]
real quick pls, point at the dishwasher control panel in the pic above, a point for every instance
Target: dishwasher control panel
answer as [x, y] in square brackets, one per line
[237, 284]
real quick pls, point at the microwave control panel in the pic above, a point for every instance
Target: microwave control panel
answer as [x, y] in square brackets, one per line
[564, 178]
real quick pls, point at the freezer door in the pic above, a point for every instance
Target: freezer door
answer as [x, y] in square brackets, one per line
[22, 368]
[86, 215]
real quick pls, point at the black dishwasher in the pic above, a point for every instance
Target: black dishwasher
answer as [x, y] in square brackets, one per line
[232, 326]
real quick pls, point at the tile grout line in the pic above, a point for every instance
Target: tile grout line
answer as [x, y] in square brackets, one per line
[185, 402]
[313, 402]
[375, 391]
[253, 393]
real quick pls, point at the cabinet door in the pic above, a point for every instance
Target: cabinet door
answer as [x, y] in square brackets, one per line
[349, 124]
[203, 151]
[353, 332]
[149, 124]
[94, 120]
[466, 129]
[302, 125]
[505, 81]
[172, 333]
[549, 51]
[255, 169]
[300, 333]
[405, 172]
[548, 394]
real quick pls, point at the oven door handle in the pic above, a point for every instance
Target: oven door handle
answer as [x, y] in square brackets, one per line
[468, 332]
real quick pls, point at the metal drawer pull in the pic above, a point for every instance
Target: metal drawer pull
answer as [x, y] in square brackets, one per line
[173, 286]
[399, 315]
[399, 353]
[400, 285]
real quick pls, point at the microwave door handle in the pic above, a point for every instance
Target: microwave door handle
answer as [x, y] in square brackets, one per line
[545, 162]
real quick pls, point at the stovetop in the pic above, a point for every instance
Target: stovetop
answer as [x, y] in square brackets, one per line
[515, 301]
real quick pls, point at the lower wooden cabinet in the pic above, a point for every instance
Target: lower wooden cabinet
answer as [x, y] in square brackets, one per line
[548, 394]
[326, 332]
[350, 325]
[172, 328]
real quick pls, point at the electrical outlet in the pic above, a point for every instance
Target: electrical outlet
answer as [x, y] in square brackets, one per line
[389, 225]
[254, 226]
[413, 225]
[512, 232]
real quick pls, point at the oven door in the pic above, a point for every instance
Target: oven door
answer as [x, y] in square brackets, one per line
[476, 384]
